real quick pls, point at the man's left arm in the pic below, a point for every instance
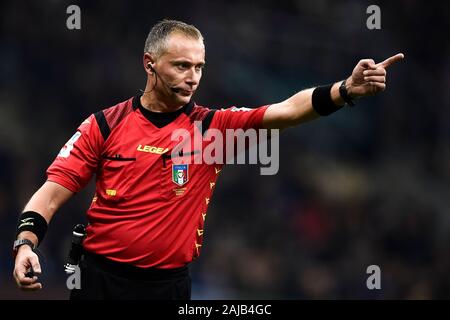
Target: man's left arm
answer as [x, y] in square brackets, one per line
[367, 78]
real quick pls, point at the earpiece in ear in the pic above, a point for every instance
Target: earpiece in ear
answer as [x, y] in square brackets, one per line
[149, 66]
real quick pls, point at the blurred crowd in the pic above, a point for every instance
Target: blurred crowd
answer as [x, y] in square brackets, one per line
[368, 185]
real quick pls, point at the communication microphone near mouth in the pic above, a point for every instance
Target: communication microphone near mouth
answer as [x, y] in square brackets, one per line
[171, 88]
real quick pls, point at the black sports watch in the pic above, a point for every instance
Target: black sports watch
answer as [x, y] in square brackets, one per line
[344, 94]
[20, 242]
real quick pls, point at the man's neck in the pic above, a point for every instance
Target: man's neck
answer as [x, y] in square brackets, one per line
[150, 102]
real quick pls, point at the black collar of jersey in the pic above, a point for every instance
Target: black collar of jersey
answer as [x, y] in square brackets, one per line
[161, 119]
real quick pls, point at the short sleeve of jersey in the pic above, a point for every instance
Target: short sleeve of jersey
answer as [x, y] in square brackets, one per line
[238, 118]
[78, 158]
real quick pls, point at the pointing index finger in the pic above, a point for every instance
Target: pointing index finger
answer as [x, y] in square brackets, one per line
[386, 63]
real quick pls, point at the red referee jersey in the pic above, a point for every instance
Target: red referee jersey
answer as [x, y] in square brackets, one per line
[146, 211]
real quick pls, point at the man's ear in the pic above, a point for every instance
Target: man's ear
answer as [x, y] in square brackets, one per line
[148, 61]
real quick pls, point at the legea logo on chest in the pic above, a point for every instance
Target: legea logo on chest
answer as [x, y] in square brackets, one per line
[152, 149]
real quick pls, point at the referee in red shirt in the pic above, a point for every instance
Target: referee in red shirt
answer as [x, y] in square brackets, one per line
[147, 215]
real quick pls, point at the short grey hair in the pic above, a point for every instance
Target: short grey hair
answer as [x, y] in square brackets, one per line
[156, 39]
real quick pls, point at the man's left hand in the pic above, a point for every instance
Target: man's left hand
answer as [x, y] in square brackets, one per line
[369, 78]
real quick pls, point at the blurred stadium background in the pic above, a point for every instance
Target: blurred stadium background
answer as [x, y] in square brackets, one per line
[368, 185]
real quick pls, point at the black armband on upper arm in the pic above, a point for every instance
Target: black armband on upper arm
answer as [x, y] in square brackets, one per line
[322, 102]
[34, 222]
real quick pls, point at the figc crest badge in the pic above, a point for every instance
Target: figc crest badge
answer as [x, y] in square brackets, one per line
[180, 174]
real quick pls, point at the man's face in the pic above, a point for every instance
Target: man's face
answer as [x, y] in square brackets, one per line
[180, 67]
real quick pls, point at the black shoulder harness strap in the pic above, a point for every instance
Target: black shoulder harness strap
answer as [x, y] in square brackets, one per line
[207, 121]
[102, 124]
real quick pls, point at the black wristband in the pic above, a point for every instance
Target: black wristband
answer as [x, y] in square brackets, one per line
[322, 102]
[344, 94]
[34, 222]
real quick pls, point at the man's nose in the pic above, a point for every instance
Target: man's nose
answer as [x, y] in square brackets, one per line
[193, 77]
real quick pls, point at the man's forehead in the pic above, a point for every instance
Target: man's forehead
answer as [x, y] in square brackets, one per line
[182, 46]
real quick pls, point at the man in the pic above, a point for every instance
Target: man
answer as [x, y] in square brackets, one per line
[146, 218]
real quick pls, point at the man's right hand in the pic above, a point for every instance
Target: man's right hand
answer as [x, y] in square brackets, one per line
[26, 261]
